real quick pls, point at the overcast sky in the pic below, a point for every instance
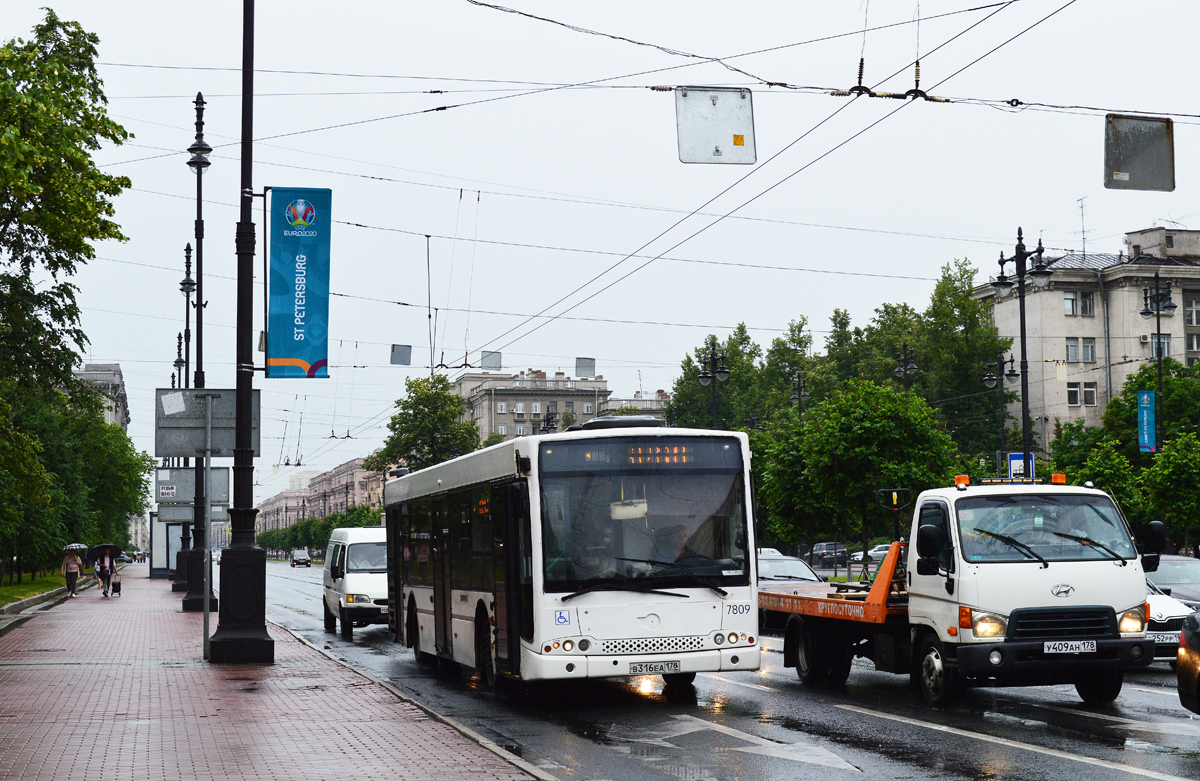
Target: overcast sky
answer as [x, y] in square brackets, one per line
[554, 163]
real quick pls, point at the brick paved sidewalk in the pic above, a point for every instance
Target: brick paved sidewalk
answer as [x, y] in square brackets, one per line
[169, 715]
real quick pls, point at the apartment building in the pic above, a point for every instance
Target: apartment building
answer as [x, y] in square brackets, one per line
[1086, 332]
[514, 405]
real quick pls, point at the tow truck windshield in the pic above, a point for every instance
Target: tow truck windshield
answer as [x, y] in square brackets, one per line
[1042, 527]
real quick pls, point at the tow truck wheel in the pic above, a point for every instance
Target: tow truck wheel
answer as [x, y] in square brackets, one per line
[812, 662]
[1100, 687]
[839, 665]
[940, 685]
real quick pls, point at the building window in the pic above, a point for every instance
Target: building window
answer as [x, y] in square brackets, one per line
[1160, 342]
[520, 429]
[1193, 343]
[501, 407]
[535, 407]
[1191, 311]
[552, 407]
[1170, 241]
[1089, 394]
[587, 408]
[519, 407]
[502, 429]
[1070, 303]
[1073, 350]
[1072, 394]
[570, 405]
[1087, 303]
[1088, 350]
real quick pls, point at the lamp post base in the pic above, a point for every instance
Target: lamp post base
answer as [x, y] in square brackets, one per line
[181, 571]
[193, 601]
[241, 636]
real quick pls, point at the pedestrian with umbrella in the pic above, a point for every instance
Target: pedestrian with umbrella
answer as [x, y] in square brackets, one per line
[105, 558]
[72, 565]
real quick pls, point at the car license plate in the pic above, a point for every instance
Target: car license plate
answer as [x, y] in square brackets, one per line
[1070, 647]
[646, 668]
[383, 610]
[1164, 638]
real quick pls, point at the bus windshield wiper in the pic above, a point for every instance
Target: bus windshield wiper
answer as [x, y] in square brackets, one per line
[1012, 541]
[687, 570]
[1085, 540]
[626, 586]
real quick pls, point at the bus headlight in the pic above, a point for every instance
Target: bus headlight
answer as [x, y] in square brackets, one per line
[988, 624]
[1132, 622]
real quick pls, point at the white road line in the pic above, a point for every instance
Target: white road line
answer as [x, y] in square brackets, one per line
[739, 683]
[1017, 745]
[1165, 692]
[1166, 727]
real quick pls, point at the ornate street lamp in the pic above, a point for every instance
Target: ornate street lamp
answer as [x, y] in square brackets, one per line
[549, 426]
[993, 380]
[905, 367]
[799, 393]
[1040, 274]
[714, 372]
[1156, 299]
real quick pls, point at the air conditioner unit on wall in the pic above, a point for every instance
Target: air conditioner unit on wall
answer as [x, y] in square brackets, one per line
[1145, 338]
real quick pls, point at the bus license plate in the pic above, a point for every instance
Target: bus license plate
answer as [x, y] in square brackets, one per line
[647, 668]
[1163, 638]
[1070, 647]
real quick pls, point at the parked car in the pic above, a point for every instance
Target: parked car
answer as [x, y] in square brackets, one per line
[125, 558]
[1166, 621]
[828, 554]
[1187, 671]
[1179, 576]
[874, 554]
[775, 572]
[301, 558]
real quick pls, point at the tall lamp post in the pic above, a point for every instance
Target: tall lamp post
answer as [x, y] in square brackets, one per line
[548, 423]
[1040, 274]
[905, 367]
[995, 379]
[241, 635]
[714, 372]
[799, 393]
[198, 557]
[1156, 299]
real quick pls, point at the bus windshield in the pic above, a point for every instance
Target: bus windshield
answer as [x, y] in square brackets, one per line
[1050, 527]
[666, 511]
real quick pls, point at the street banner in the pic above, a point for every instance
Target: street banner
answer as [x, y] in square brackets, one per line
[1146, 434]
[298, 301]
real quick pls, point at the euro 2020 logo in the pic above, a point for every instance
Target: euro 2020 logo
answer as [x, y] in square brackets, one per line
[300, 214]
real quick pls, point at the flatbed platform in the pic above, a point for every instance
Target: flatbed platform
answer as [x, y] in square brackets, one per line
[886, 598]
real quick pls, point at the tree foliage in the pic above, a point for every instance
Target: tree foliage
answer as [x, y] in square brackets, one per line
[54, 202]
[1171, 483]
[314, 533]
[427, 428]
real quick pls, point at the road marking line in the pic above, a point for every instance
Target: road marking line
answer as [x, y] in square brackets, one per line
[1167, 727]
[739, 683]
[1015, 744]
[1165, 692]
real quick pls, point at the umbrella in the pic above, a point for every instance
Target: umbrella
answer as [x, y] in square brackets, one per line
[97, 551]
[75, 546]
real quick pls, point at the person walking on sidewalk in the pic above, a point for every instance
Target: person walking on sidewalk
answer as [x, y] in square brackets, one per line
[104, 572]
[72, 565]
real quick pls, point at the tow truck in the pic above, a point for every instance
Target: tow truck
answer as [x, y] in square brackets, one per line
[1008, 583]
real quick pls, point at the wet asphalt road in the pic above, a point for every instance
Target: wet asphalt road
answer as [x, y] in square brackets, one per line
[766, 725]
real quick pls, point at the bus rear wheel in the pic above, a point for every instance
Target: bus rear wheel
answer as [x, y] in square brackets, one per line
[679, 679]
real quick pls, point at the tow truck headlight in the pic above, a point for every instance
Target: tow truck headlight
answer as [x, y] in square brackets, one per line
[988, 624]
[1133, 621]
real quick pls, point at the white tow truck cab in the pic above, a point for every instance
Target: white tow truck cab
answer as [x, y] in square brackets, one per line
[1019, 584]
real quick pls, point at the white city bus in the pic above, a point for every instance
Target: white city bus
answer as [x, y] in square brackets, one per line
[622, 548]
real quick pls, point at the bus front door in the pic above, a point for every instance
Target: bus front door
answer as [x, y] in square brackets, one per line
[441, 580]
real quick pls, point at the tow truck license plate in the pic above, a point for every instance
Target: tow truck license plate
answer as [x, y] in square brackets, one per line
[1070, 647]
[645, 668]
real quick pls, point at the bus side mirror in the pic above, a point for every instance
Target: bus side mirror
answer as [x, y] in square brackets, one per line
[929, 542]
[1158, 536]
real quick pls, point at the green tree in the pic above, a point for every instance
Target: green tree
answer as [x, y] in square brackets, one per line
[691, 402]
[1180, 405]
[1073, 444]
[1107, 469]
[495, 438]
[568, 419]
[427, 429]
[1171, 483]
[54, 201]
[864, 438]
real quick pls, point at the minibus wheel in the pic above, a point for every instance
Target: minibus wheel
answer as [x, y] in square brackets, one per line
[347, 625]
[330, 618]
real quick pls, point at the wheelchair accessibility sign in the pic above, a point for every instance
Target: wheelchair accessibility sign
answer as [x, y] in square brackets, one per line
[562, 617]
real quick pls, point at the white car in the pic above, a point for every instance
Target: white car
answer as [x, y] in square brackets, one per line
[1166, 622]
[874, 554]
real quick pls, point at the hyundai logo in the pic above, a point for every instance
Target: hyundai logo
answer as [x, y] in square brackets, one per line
[1062, 590]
